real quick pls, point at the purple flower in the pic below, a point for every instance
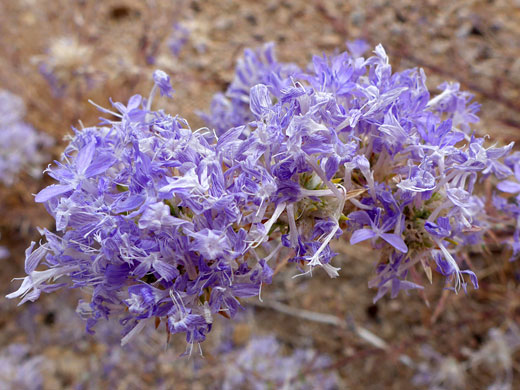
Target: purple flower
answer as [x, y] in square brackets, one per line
[73, 177]
[162, 80]
[178, 38]
[419, 180]
[440, 229]
[448, 267]
[19, 370]
[22, 147]
[358, 47]
[209, 243]
[509, 186]
[156, 216]
[258, 66]
[260, 365]
[376, 231]
[260, 100]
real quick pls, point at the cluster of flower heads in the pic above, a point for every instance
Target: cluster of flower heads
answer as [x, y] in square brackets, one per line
[507, 200]
[146, 218]
[349, 145]
[232, 108]
[163, 222]
[21, 146]
[66, 64]
[178, 38]
[18, 370]
[444, 372]
[260, 365]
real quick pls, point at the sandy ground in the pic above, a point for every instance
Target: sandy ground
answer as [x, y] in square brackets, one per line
[473, 42]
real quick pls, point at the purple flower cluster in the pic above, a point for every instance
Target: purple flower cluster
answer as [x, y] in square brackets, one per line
[438, 372]
[508, 200]
[259, 66]
[350, 145]
[149, 219]
[21, 146]
[260, 365]
[178, 38]
[160, 221]
[18, 370]
[66, 65]
[442, 372]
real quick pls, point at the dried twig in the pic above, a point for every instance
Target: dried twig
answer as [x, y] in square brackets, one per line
[440, 306]
[327, 319]
[283, 262]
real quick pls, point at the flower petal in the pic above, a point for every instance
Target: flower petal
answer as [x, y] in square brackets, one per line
[85, 156]
[396, 241]
[361, 235]
[509, 186]
[52, 191]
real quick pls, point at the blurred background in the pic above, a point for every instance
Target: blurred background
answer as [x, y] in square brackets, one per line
[55, 55]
